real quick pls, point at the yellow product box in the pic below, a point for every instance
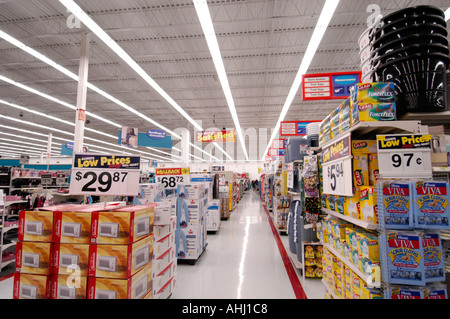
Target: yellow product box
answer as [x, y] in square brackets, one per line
[357, 285]
[371, 293]
[351, 237]
[31, 286]
[338, 228]
[360, 170]
[119, 261]
[355, 257]
[339, 291]
[368, 266]
[344, 248]
[369, 204]
[72, 227]
[368, 245]
[122, 226]
[331, 202]
[70, 258]
[36, 226]
[364, 147]
[348, 273]
[136, 286]
[330, 239]
[327, 223]
[352, 205]
[339, 279]
[68, 287]
[374, 172]
[34, 257]
[337, 243]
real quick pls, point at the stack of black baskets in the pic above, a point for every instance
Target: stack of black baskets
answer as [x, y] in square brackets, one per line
[410, 48]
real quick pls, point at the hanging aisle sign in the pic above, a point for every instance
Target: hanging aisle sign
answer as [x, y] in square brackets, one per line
[403, 155]
[337, 167]
[105, 175]
[326, 86]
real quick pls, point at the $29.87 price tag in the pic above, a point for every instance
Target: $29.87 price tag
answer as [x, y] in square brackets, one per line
[116, 175]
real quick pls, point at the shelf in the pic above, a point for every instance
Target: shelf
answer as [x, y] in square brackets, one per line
[16, 202]
[358, 222]
[6, 246]
[366, 129]
[330, 290]
[441, 169]
[347, 262]
[6, 263]
[6, 229]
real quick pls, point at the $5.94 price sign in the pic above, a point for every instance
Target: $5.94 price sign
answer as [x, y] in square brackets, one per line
[172, 177]
[101, 175]
[404, 155]
[337, 168]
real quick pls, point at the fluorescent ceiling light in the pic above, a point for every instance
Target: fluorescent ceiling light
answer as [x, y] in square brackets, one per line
[53, 118]
[101, 34]
[321, 26]
[447, 14]
[208, 29]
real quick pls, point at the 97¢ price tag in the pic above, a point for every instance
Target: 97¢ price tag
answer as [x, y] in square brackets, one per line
[404, 155]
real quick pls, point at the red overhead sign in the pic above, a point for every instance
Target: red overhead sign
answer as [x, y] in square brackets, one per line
[326, 86]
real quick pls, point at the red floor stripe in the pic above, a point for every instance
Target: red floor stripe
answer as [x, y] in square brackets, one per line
[6, 277]
[292, 274]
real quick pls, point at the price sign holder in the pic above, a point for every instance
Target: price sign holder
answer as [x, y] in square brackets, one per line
[404, 155]
[337, 167]
[46, 179]
[105, 175]
[172, 177]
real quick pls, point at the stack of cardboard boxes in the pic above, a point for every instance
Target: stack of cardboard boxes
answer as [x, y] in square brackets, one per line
[164, 250]
[85, 251]
[190, 235]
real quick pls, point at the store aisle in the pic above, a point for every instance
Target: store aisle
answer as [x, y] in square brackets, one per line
[241, 260]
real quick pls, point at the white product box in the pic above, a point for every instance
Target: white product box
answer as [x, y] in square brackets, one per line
[162, 213]
[212, 220]
[162, 278]
[161, 262]
[149, 193]
[162, 245]
[190, 241]
[161, 231]
[192, 191]
[190, 212]
[166, 290]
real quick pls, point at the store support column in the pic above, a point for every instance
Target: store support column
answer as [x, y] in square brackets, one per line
[185, 147]
[80, 118]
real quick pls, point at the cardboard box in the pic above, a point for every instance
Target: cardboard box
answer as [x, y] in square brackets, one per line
[161, 231]
[71, 227]
[360, 170]
[364, 147]
[125, 225]
[68, 287]
[35, 226]
[192, 191]
[189, 242]
[163, 244]
[374, 172]
[166, 290]
[368, 204]
[119, 261]
[70, 258]
[160, 279]
[31, 286]
[352, 205]
[190, 212]
[135, 287]
[34, 257]
[163, 261]
[149, 193]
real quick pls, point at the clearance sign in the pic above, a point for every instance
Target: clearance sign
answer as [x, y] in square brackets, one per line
[216, 136]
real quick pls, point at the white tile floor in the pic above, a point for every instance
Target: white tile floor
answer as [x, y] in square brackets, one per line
[242, 260]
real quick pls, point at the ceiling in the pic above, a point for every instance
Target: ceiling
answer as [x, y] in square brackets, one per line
[262, 43]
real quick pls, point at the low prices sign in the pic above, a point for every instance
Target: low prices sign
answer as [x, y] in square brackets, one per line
[404, 155]
[216, 136]
[105, 175]
[172, 177]
[337, 168]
